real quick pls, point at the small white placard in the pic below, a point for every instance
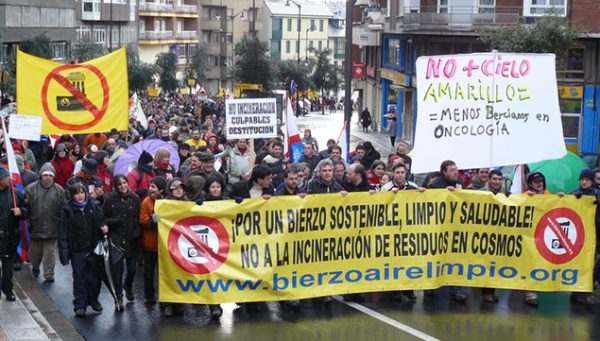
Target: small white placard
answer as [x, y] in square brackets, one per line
[25, 127]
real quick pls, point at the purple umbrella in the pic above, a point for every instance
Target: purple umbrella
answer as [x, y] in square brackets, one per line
[128, 160]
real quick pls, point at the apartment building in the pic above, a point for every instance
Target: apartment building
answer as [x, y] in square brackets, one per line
[110, 24]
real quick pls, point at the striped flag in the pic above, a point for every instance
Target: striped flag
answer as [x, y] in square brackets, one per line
[15, 178]
[518, 180]
[135, 110]
[294, 148]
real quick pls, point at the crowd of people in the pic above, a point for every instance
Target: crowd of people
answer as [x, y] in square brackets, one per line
[73, 198]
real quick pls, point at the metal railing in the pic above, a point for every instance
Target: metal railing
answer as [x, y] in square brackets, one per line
[457, 17]
[154, 7]
[186, 9]
[156, 35]
[187, 34]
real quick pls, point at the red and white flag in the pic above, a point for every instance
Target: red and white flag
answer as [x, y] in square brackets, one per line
[294, 148]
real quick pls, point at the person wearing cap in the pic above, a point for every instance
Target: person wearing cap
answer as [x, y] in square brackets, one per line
[10, 235]
[27, 177]
[207, 166]
[63, 165]
[586, 187]
[149, 222]
[46, 198]
[90, 153]
[96, 139]
[140, 178]
[86, 176]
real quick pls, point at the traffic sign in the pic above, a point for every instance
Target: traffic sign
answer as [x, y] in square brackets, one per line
[560, 235]
[78, 100]
[198, 245]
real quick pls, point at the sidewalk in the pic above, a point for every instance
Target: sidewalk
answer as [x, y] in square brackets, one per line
[32, 316]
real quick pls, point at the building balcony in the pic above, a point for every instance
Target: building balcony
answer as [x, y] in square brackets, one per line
[457, 18]
[187, 35]
[208, 24]
[150, 7]
[186, 9]
[156, 35]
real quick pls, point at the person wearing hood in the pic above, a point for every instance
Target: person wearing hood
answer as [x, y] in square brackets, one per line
[122, 209]
[10, 235]
[63, 165]
[139, 179]
[103, 173]
[212, 144]
[46, 198]
[81, 227]
[586, 187]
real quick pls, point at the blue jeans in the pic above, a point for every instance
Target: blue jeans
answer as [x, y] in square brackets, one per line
[86, 281]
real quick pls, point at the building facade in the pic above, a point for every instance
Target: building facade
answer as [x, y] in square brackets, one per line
[109, 24]
[222, 25]
[294, 29]
[25, 19]
[168, 26]
[416, 28]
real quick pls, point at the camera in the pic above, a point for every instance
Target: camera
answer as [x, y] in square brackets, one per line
[192, 252]
[556, 244]
[70, 103]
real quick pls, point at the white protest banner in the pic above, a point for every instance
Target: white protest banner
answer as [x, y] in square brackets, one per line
[251, 118]
[25, 127]
[486, 110]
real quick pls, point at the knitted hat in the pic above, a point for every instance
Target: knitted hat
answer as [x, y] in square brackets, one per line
[61, 147]
[145, 158]
[89, 166]
[160, 182]
[587, 174]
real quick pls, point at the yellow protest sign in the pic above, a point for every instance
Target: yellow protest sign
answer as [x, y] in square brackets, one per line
[292, 248]
[74, 98]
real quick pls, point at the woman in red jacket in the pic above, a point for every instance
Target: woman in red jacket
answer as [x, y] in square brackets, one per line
[63, 165]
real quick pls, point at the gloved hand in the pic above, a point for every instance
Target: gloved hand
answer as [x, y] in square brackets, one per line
[155, 217]
[238, 200]
[199, 202]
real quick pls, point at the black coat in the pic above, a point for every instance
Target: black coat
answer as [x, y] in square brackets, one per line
[10, 235]
[79, 230]
[122, 217]
[316, 186]
[241, 189]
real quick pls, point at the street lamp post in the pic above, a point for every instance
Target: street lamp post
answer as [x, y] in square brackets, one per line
[348, 69]
[310, 29]
[298, 27]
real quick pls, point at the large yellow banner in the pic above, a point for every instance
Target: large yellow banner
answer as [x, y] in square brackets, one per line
[292, 248]
[74, 98]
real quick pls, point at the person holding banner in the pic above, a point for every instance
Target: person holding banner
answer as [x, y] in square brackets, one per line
[149, 222]
[448, 178]
[586, 187]
[399, 183]
[323, 181]
[13, 207]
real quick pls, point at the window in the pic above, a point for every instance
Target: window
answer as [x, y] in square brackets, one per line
[91, 10]
[312, 24]
[536, 8]
[298, 25]
[297, 46]
[443, 6]
[321, 25]
[320, 45]
[289, 25]
[486, 6]
[287, 46]
[99, 36]
[310, 44]
[59, 51]
[393, 53]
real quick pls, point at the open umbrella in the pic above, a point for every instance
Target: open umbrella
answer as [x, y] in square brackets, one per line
[102, 259]
[562, 175]
[128, 160]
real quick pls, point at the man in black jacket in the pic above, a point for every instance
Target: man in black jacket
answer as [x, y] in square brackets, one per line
[259, 185]
[9, 230]
[356, 179]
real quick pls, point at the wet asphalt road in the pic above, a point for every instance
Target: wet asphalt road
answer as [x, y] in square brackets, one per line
[380, 317]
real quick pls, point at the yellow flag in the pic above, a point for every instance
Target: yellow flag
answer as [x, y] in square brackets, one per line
[90, 97]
